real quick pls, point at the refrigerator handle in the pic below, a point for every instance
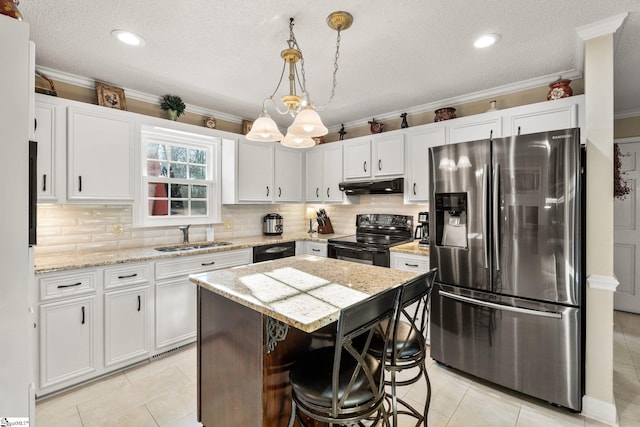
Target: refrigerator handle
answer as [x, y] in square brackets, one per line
[496, 213]
[485, 220]
[500, 306]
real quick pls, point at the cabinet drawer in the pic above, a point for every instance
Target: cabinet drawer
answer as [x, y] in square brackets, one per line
[315, 248]
[126, 275]
[182, 266]
[57, 285]
[415, 263]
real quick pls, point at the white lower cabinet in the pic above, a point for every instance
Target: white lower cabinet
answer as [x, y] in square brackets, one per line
[175, 313]
[68, 338]
[315, 248]
[409, 262]
[126, 326]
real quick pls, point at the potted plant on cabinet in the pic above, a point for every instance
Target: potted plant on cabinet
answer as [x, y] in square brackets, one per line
[174, 105]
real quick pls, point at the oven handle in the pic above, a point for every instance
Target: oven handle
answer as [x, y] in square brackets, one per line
[351, 248]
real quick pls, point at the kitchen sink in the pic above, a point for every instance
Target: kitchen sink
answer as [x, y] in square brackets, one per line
[191, 246]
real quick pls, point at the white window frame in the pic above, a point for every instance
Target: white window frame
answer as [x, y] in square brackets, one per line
[213, 147]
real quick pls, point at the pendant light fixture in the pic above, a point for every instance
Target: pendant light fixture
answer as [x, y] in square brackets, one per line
[307, 123]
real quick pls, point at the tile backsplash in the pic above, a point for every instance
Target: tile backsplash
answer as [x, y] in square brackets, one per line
[83, 228]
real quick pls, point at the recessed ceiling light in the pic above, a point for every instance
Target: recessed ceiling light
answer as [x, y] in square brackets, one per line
[486, 40]
[127, 37]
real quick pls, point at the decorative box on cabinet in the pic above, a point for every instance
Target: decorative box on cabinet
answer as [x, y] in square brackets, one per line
[100, 147]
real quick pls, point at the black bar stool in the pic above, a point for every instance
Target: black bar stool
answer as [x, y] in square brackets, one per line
[344, 384]
[407, 347]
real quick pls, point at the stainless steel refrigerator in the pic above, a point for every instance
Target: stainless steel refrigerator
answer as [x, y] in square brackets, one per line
[508, 303]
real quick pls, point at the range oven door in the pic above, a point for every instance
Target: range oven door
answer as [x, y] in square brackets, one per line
[370, 256]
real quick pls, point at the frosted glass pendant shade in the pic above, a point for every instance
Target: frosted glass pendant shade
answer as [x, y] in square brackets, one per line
[297, 141]
[264, 129]
[307, 123]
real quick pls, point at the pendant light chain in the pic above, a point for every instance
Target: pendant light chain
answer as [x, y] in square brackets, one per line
[295, 45]
[335, 72]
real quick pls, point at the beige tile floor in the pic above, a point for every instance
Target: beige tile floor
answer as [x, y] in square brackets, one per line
[163, 393]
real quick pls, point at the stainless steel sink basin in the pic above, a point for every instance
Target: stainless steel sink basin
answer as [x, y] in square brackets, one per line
[191, 246]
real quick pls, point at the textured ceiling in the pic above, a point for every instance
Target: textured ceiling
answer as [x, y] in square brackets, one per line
[225, 55]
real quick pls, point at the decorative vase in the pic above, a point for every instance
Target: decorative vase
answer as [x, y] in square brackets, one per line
[444, 114]
[10, 8]
[173, 114]
[492, 106]
[559, 89]
[376, 127]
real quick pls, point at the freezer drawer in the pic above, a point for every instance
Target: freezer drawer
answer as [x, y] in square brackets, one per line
[531, 347]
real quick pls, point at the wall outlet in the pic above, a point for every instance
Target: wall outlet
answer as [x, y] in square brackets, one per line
[118, 229]
[227, 223]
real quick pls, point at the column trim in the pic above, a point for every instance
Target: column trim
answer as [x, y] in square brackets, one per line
[601, 28]
[599, 410]
[602, 283]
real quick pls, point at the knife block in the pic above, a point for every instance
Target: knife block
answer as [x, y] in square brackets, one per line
[327, 228]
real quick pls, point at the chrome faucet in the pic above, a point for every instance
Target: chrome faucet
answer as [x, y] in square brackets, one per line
[185, 233]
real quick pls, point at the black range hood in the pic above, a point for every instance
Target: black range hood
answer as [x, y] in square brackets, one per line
[390, 186]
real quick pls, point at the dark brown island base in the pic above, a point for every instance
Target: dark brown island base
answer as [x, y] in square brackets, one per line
[253, 321]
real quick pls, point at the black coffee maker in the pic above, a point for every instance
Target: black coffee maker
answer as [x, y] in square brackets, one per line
[422, 229]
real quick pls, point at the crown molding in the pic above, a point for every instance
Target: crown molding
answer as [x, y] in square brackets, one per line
[627, 114]
[470, 97]
[88, 83]
[601, 28]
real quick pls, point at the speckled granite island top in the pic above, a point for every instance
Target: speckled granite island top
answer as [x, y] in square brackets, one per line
[306, 292]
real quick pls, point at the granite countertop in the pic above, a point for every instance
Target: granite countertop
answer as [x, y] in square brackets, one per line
[50, 263]
[306, 291]
[412, 248]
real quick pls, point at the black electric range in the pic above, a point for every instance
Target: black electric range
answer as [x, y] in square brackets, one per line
[375, 234]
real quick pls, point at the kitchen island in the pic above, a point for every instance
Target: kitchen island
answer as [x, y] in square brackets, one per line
[254, 320]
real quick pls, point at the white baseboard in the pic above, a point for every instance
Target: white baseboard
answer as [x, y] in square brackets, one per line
[599, 410]
[603, 283]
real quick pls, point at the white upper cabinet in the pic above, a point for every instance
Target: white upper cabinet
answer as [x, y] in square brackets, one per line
[100, 154]
[546, 116]
[45, 135]
[324, 174]
[287, 175]
[357, 158]
[260, 172]
[388, 155]
[255, 171]
[472, 128]
[417, 174]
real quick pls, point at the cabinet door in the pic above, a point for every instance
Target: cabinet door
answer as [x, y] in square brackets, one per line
[175, 313]
[313, 171]
[473, 129]
[255, 171]
[388, 155]
[357, 159]
[538, 120]
[332, 173]
[67, 338]
[288, 174]
[126, 318]
[45, 131]
[100, 150]
[418, 144]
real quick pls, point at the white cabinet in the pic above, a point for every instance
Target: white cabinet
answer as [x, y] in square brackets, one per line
[100, 164]
[377, 157]
[49, 133]
[324, 174]
[559, 114]
[287, 175]
[260, 172]
[315, 248]
[417, 173]
[255, 171]
[409, 262]
[176, 297]
[357, 158]
[472, 128]
[388, 155]
[127, 314]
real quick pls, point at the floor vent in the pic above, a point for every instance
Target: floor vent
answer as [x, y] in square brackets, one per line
[168, 352]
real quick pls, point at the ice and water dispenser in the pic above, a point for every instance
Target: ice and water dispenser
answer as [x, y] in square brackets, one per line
[451, 220]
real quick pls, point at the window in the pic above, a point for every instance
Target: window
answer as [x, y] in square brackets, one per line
[179, 178]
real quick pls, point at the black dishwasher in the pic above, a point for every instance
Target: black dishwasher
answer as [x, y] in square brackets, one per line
[274, 251]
